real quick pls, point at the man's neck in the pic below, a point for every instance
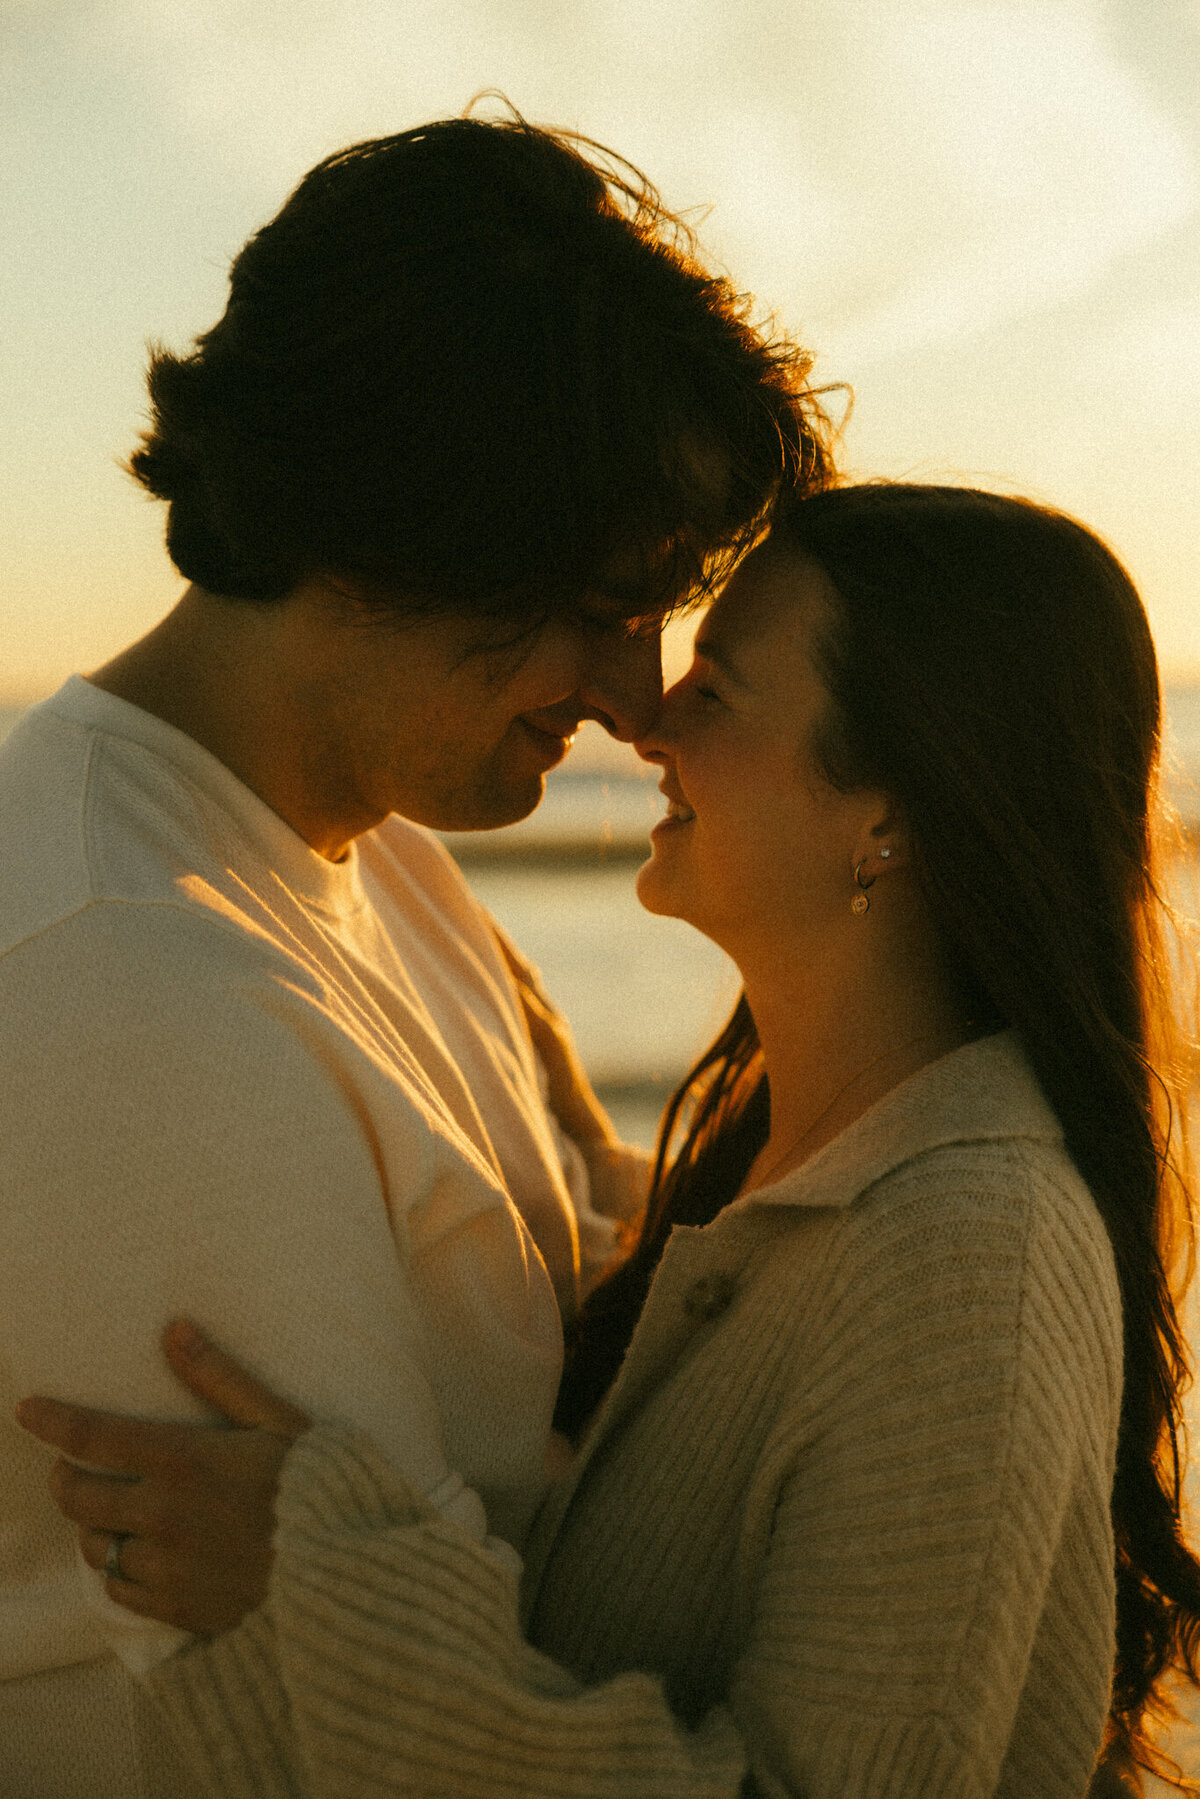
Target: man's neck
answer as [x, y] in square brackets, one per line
[223, 672]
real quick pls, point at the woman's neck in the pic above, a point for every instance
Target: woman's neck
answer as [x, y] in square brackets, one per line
[837, 1034]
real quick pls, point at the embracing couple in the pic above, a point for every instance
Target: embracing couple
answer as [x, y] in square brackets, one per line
[855, 1480]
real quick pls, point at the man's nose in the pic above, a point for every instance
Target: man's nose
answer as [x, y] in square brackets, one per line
[622, 683]
[656, 743]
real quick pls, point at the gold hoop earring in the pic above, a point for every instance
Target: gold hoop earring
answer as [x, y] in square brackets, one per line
[860, 905]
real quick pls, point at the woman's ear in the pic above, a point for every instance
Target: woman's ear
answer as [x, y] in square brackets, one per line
[885, 845]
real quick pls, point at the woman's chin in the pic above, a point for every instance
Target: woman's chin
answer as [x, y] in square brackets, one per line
[655, 893]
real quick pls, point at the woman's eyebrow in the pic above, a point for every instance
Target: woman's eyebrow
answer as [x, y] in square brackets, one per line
[712, 652]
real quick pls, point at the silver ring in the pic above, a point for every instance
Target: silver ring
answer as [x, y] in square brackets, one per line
[112, 1556]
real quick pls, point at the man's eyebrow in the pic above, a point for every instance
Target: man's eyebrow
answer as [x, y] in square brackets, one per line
[629, 594]
[712, 652]
[631, 602]
[619, 608]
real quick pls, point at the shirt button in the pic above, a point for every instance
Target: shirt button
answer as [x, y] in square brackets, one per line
[709, 1296]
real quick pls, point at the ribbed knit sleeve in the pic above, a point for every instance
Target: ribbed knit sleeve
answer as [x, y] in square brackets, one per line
[858, 1528]
[229, 1711]
[392, 1642]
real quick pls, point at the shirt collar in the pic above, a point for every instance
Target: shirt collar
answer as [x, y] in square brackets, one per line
[335, 886]
[983, 1092]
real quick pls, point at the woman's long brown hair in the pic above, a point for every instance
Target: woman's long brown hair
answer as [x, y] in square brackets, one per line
[990, 665]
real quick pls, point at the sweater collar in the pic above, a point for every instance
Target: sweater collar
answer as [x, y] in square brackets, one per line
[334, 886]
[983, 1091]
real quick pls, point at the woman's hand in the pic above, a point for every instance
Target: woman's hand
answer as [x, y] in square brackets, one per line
[191, 1507]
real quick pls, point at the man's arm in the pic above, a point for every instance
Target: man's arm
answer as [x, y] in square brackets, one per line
[190, 1132]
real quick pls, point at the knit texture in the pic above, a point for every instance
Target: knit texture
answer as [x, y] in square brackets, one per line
[842, 1524]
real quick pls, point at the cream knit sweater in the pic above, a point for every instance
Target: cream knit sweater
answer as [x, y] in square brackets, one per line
[296, 1100]
[841, 1526]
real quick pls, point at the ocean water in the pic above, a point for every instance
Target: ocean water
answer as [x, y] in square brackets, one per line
[644, 994]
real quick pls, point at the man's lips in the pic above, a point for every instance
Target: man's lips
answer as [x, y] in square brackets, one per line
[564, 726]
[550, 745]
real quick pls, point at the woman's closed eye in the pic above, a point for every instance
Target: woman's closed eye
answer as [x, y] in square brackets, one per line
[699, 681]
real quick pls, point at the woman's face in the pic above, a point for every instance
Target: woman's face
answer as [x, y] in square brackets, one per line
[758, 850]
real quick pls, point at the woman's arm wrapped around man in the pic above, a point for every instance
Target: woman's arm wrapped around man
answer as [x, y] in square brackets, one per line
[924, 1550]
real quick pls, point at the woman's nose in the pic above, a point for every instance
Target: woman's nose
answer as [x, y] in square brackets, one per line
[656, 744]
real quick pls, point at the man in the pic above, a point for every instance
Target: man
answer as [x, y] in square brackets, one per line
[472, 423]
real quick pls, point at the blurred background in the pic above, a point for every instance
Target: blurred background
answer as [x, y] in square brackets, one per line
[984, 217]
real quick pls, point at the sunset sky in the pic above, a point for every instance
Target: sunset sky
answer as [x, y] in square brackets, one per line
[986, 218]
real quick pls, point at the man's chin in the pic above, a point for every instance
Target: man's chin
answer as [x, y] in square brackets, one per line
[493, 810]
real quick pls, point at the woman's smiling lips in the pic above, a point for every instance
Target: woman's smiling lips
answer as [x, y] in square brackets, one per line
[678, 811]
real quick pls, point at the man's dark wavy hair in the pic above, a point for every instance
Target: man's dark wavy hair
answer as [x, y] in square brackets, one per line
[472, 366]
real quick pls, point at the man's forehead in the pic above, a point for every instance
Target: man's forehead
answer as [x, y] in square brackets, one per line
[641, 587]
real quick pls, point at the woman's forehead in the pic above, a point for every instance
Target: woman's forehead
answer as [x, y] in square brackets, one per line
[772, 606]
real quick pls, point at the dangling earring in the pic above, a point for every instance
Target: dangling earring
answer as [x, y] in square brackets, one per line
[861, 903]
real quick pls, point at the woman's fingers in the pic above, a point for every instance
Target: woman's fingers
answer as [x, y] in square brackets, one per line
[192, 1507]
[145, 1601]
[153, 1585]
[195, 1545]
[134, 1587]
[105, 1439]
[133, 1446]
[102, 1501]
[224, 1383]
[139, 1559]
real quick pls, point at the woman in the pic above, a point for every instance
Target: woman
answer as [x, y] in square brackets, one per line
[864, 1504]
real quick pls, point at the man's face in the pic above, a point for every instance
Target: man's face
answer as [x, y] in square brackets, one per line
[454, 722]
